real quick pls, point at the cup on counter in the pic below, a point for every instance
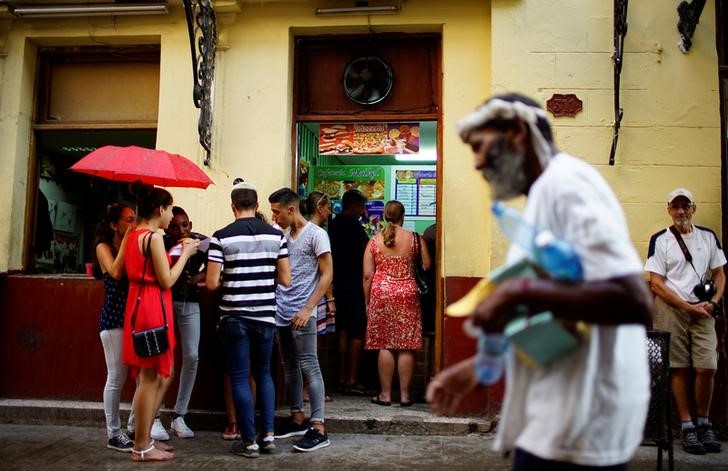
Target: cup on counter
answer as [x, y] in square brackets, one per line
[90, 270]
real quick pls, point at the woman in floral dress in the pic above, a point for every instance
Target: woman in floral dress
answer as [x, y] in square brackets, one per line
[393, 304]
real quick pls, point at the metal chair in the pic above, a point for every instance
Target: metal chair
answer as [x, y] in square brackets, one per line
[658, 429]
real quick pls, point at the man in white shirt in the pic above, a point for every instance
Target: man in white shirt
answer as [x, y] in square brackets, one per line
[589, 407]
[685, 263]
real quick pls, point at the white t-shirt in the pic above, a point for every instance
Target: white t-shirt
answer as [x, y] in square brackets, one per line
[303, 253]
[666, 258]
[590, 406]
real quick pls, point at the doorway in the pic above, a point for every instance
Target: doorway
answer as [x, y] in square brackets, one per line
[366, 114]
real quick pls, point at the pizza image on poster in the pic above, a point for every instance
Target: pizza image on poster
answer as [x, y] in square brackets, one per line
[369, 138]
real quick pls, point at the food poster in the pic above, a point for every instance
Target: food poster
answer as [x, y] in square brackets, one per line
[375, 217]
[369, 138]
[416, 189]
[334, 181]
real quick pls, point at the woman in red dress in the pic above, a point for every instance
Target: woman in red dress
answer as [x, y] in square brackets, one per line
[394, 323]
[153, 282]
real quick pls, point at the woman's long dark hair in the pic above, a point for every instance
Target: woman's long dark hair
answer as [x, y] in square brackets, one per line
[149, 199]
[105, 234]
[393, 213]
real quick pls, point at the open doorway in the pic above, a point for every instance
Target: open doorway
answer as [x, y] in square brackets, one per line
[367, 114]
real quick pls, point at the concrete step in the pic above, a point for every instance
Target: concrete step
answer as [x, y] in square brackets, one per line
[344, 414]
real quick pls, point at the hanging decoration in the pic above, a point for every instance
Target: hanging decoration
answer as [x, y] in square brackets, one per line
[689, 14]
[620, 31]
[203, 39]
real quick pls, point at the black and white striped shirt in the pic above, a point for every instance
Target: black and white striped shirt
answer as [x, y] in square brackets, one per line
[249, 250]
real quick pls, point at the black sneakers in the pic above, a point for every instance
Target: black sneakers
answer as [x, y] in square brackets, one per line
[122, 443]
[291, 429]
[249, 451]
[690, 442]
[267, 444]
[312, 440]
[708, 438]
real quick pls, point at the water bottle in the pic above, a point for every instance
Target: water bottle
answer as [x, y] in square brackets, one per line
[490, 359]
[556, 257]
[514, 227]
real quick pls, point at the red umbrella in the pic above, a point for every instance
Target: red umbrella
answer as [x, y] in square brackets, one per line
[154, 167]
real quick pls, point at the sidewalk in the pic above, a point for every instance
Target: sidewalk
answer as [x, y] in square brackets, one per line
[345, 414]
[28, 447]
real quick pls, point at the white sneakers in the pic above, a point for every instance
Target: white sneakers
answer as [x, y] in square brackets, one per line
[179, 428]
[158, 431]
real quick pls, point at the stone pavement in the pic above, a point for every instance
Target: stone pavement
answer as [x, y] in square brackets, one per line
[49, 447]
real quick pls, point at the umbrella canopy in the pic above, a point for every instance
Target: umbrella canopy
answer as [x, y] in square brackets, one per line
[154, 167]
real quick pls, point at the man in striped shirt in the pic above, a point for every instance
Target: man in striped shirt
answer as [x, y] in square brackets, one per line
[251, 256]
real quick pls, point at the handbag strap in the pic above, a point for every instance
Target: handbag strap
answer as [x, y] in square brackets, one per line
[685, 250]
[147, 252]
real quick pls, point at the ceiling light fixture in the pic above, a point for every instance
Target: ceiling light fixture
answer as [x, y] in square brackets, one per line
[118, 9]
[363, 10]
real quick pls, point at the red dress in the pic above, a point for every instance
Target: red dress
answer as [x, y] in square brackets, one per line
[149, 314]
[394, 319]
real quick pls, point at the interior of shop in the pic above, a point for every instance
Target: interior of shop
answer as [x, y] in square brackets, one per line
[384, 160]
[69, 205]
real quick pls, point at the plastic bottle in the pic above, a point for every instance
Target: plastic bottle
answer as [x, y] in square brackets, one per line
[556, 257]
[514, 227]
[490, 361]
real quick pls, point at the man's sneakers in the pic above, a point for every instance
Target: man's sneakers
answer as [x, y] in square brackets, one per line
[180, 428]
[267, 444]
[708, 438]
[248, 451]
[691, 443]
[120, 443]
[291, 429]
[312, 440]
[158, 431]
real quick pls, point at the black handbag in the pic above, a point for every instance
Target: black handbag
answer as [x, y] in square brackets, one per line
[420, 277]
[150, 342]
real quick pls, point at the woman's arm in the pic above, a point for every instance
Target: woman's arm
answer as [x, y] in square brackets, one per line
[107, 262]
[369, 270]
[167, 276]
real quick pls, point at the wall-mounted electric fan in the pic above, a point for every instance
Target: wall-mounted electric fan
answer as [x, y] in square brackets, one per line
[368, 80]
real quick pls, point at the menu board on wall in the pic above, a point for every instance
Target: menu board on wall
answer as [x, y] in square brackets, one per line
[334, 181]
[369, 138]
[416, 189]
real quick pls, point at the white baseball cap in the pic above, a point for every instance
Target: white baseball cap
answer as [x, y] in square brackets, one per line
[680, 192]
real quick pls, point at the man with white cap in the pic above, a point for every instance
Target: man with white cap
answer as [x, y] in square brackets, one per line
[251, 256]
[685, 263]
[587, 409]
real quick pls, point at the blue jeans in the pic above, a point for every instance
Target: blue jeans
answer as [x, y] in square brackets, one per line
[249, 345]
[298, 349]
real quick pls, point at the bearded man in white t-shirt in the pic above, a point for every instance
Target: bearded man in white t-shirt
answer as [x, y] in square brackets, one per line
[588, 407]
[688, 285]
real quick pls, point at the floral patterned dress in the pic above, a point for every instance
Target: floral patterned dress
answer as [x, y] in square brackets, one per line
[394, 319]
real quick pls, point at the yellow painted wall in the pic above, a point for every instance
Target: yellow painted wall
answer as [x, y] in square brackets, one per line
[253, 107]
[670, 132]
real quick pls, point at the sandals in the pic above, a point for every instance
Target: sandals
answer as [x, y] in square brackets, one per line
[159, 445]
[151, 454]
[379, 402]
[406, 403]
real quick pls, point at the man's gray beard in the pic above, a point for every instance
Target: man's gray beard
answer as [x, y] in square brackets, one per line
[507, 178]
